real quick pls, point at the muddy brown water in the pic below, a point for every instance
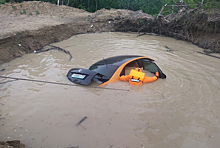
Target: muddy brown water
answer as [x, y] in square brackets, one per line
[180, 111]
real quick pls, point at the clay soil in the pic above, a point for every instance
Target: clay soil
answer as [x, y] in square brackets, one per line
[29, 26]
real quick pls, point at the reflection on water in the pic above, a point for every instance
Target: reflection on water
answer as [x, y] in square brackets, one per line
[180, 111]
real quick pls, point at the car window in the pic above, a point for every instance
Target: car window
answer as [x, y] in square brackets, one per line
[132, 65]
[106, 70]
[148, 65]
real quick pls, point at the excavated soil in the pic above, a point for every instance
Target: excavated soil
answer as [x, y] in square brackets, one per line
[11, 144]
[29, 26]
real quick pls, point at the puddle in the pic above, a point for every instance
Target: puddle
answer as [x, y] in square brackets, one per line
[180, 111]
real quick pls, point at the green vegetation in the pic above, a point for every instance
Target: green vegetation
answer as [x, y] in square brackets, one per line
[37, 12]
[88, 19]
[2, 2]
[23, 12]
[30, 14]
[197, 14]
[152, 7]
[141, 21]
[21, 5]
[14, 7]
[207, 4]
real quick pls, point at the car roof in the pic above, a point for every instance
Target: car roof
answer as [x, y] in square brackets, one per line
[118, 60]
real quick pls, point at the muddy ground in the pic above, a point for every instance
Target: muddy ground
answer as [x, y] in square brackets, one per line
[29, 26]
[11, 144]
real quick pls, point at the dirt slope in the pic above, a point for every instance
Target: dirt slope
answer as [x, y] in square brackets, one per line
[29, 26]
[197, 26]
[17, 17]
[45, 23]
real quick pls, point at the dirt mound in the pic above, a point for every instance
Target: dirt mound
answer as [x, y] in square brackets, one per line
[29, 26]
[38, 8]
[124, 13]
[33, 15]
[197, 26]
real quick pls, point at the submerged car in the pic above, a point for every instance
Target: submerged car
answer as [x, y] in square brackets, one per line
[109, 70]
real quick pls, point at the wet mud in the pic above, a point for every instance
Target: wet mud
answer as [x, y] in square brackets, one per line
[21, 34]
[11, 144]
[180, 111]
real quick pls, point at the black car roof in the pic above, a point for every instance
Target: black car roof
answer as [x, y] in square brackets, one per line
[107, 67]
[118, 60]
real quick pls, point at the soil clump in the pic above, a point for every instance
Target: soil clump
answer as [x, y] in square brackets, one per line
[11, 144]
[29, 26]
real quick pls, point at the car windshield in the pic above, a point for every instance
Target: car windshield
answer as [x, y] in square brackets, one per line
[104, 69]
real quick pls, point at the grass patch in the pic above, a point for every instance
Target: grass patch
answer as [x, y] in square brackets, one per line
[23, 12]
[14, 7]
[37, 12]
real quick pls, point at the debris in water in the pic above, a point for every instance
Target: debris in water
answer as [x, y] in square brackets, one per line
[142, 145]
[55, 47]
[144, 33]
[140, 34]
[208, 54]
[81, 120]
[168, 49]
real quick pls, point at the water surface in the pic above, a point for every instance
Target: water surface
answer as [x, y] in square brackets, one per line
[180, 111]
